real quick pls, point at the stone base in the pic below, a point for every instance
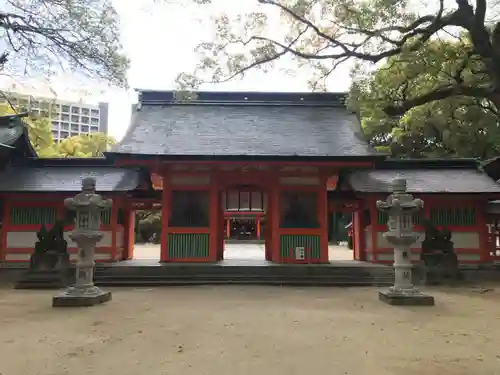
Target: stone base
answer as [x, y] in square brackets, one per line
[400, 299]
[68, 299]
[42, 280]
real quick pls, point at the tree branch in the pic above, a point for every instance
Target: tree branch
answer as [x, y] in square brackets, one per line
[401, 108]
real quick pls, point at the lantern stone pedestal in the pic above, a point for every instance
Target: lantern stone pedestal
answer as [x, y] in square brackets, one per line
[88, 207]
[400, 207]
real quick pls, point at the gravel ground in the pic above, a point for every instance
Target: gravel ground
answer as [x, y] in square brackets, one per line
[244, 330]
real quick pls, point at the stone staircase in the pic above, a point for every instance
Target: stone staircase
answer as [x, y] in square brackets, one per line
[203, 274]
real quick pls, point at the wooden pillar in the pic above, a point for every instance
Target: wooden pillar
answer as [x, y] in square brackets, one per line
[228, 228]
[268, 234]
[113, 221]
[214, 225]
[482, 229]
[274, 219]
[220, 249]
[165, 215]
[129, 234]
[258, 227]
[4, 229]
[322, 202]
[374, 229]
[358, 227]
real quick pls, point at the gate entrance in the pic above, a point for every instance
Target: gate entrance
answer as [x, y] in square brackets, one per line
[244, 213]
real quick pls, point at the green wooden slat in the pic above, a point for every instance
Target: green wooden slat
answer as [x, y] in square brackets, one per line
[35, 215]
[311, 242]
[188, 245]
[453, 216]
[383, 217]
[106, 217]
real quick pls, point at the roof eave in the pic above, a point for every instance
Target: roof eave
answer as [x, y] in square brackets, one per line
[243, 158]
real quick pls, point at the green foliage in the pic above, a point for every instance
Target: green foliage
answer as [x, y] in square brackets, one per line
[78, 35]
[321, 34]
[461, 126]
[148, 226]
[91, 145]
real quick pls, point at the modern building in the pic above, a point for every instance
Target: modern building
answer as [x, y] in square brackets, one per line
[69, 118]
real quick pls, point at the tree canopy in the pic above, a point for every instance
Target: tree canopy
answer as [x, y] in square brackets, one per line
[50, 35]
[325, 33]
[460, 126]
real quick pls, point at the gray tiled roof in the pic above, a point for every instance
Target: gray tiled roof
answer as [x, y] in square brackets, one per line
[459, 180]
[243, 130]
[9, 135]
[50, 179]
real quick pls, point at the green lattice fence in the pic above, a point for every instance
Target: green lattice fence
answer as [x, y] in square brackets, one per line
[453, 216]
[188, 245]
[32, 215]
[382, 218]
[289, 242]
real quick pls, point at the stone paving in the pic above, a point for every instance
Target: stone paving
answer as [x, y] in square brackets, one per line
[241, 252]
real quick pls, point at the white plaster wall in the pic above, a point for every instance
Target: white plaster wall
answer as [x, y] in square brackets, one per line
[383, 243]
[416, 257]
[119, 237]
[368, 237]
[16, 257]
[462, 240]
[28, 239]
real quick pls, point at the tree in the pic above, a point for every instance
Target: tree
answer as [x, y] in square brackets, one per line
[46, 35]
[326, 33]
[460, 126]
[91, 145]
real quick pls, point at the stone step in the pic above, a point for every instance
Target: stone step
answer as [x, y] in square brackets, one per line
[180, 282]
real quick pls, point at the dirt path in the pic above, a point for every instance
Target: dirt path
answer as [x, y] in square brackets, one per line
[250, 330]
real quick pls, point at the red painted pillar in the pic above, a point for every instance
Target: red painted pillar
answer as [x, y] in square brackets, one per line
[113, 221]
[129, 234]
[165, 215]
[274, 220]
[322, 202]
[258, 227]
[215, 229]
[220, 249]
[482, 229]
[374, 229]
[358, 226]
[4, 229]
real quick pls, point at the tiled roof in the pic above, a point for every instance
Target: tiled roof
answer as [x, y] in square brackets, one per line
[12, 128]
[59, 179]
[452, 180]
[263, 127]
[9, 135]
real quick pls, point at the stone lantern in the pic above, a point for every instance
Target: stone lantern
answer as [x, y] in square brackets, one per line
[400, 207]
[88, 207]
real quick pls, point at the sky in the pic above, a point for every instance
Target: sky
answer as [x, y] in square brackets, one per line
[159, 38]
